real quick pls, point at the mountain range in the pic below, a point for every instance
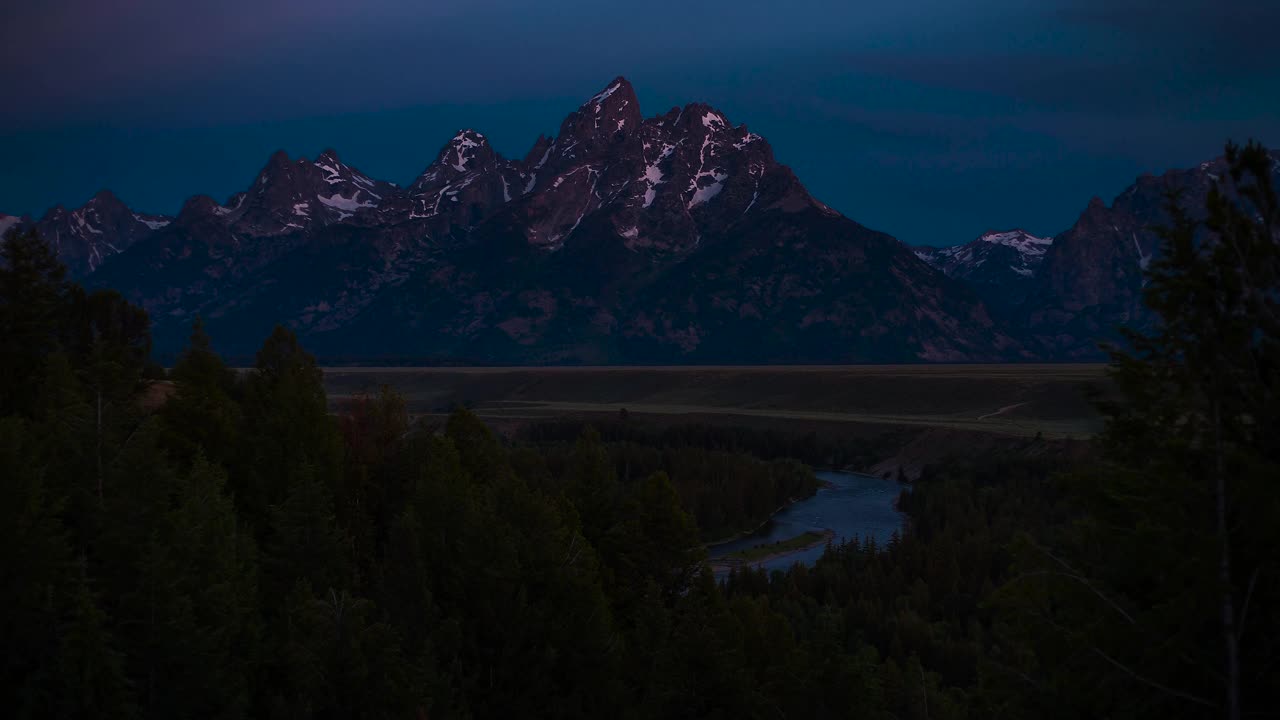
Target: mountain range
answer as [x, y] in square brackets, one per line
[676, 238]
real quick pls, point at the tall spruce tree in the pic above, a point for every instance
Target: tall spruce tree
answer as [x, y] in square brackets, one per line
[202, 415]
[33, 296]
[290, 438]
[1162, 599]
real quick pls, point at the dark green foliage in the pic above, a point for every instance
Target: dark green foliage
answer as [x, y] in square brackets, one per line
[33, 309]
[1160, 599]
[289, 438]
[727, 491]
[372, 429]
[202, 416]
[653, 546]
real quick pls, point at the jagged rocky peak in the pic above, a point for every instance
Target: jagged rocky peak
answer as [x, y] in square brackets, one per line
[8, 222]
[338, 172]
[463, 186]
[104, 198]
[349, 191]
[107, 211]
[616, 103]
[467, 153]
[199, 208]
[539, 151]
[999, 265]
[1018, 239]
[86, 236]
[609, 117]
[293, 195]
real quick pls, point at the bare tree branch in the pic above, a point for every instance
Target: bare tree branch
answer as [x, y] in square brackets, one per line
[1152, 683]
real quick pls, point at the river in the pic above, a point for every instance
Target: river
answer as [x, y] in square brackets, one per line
[849, 504]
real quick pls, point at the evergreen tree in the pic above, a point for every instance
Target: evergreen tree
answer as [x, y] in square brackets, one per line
[1162, 599]
[60, 658]
[202, 416]
[657, 541]
[92, 681]
[591, 482]
[215, 563]
[66, 424]
[290, 438]
[334, 659]
[33, 296]
[372, 428]
[303, 541]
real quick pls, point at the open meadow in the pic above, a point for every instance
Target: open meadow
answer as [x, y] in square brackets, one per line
[1025, 400]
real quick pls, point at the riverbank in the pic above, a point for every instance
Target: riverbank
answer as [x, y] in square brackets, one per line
[847, 506]
[711, 544]
[770, 552]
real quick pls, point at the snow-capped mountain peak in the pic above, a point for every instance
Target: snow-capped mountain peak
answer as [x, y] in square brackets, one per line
[1020, 240]
[86, 236]
[464, 149]
[7, 222]
[998, 263]
[608, 117]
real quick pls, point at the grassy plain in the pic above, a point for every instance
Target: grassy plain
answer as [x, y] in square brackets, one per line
[1009, 399]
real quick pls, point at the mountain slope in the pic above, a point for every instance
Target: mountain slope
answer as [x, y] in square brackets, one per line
[999, 266]
[676, 238]
[1091, 279]
[86, 236]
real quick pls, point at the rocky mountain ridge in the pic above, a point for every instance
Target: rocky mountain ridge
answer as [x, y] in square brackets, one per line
[999, 266]
[676, 238]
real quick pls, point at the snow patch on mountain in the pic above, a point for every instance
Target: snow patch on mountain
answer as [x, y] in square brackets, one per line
[1012, 251]
[701, 193]
[1021, 241]
[705, 194]
[154, 224]
[333, 176]
[1144, 260]
[653, 174]
[83, 224]
[462, 142]
[341, 203]
[604, 94]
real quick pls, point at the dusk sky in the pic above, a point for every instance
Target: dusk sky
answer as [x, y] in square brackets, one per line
[932, 120]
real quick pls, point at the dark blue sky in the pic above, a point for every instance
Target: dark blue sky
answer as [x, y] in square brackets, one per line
[932, 120]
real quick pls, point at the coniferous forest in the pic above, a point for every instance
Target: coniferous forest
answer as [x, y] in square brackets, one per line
[198, 541]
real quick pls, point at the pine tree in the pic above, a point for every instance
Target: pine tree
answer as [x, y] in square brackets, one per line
[303, 541]
[591, 482]
[1161, 601]
[202, 415]
[334, 659]
[33, 297]
[91, 678]
[657, 541]
[290, 438]
[372, 428]
[214, 560]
